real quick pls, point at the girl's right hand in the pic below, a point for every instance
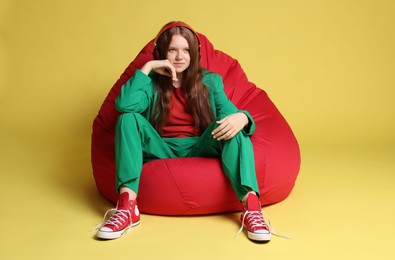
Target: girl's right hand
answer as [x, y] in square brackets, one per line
[163, 67]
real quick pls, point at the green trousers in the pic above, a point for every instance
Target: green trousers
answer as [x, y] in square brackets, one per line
[137, 142]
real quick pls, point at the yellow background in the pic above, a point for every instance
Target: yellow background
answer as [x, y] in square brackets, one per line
[329, 66]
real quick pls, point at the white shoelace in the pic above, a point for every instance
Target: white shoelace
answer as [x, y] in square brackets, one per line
[257, 222]
[114, 219]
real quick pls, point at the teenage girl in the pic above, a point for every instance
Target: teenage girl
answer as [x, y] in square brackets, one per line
[172, 108]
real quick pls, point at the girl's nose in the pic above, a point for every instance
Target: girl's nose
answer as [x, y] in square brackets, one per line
[179, 55]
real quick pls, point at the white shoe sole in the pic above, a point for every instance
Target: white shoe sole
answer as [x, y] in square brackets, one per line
[259, 237]
[112, 234]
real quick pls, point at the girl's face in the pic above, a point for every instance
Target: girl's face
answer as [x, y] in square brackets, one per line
[178, 53]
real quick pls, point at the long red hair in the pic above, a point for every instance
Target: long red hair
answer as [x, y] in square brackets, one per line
[196, 93]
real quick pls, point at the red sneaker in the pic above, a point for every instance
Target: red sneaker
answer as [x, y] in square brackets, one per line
[126, 216]
[252, 219]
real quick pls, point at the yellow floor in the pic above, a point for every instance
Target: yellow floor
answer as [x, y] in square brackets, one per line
[341, 208]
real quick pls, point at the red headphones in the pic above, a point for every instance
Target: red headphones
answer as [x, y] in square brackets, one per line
[167, 27]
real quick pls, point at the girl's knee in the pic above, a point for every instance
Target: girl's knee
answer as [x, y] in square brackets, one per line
[131, 118]
[128, 121]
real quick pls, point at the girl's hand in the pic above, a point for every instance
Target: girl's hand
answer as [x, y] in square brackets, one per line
[163, 67]
[229, 126]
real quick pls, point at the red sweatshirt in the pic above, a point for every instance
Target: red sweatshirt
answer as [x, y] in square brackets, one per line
[179, 123]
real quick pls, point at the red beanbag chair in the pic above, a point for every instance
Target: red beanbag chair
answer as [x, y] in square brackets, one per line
[193, 186]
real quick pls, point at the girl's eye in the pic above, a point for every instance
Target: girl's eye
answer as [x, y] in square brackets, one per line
[186, 50]
[172, 50]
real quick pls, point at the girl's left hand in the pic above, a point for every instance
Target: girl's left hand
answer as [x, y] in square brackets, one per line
[229, 126]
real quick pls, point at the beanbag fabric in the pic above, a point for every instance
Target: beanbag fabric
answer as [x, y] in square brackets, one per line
[193, 186]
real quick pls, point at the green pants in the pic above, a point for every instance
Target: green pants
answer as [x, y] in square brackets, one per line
[136, 142]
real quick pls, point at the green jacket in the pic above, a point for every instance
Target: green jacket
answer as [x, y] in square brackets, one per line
[138, 95]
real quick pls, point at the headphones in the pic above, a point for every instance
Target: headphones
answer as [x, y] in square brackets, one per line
[167, 27]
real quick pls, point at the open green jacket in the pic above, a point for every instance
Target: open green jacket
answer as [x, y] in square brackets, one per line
[138, 95]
